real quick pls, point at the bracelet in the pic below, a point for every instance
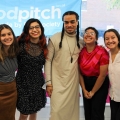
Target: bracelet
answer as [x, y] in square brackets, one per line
[49, 86]
[47, 81]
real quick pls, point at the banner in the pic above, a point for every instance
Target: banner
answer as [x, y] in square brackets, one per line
[16, 12]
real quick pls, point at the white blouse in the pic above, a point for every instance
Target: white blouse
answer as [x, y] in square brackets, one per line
[114, 76]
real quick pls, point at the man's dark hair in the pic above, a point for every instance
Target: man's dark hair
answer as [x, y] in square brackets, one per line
[62, 33]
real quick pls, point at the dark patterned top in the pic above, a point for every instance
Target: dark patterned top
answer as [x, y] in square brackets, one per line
[7, 69]
[30, 79]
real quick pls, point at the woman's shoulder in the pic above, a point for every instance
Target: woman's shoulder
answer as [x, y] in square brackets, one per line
[83, 50]
[102, 49]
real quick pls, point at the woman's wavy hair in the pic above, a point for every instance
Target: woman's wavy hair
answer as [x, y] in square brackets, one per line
[25, 38]
[115, 32]
[62, 33]
[13, 49]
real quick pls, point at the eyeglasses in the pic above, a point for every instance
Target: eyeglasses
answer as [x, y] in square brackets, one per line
[91, 33]
[36, 27]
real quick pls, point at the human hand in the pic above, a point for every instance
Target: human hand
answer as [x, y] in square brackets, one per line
[49, 89]
[91, 94]
[86, 94]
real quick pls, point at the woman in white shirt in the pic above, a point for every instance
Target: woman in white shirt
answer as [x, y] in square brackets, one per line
[112, 42]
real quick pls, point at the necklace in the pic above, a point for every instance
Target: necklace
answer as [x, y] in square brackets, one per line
[71, 53]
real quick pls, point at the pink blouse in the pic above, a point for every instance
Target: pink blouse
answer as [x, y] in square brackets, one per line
[90, 63]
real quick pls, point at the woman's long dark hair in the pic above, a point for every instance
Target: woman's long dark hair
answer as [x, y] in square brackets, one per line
[24, 37]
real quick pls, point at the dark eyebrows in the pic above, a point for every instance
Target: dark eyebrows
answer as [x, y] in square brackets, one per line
[72, 21]
[9, 33]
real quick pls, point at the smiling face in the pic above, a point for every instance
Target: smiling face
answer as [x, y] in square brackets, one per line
[90, 36]
[34, 32]
[70, 23]
[111, 40]
[6, 37]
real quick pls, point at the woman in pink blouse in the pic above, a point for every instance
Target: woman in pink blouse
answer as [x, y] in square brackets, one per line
[93, 62]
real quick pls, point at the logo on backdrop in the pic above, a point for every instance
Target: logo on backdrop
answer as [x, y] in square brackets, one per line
[49, 15]
[20, 15]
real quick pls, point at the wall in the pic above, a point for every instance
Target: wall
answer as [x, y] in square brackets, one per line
[98, 15]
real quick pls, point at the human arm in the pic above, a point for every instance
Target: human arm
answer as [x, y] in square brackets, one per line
[85, 92]
[100, 79]
[48, 68]
[81, 81]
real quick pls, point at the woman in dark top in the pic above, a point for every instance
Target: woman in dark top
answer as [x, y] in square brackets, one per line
[30, 79]
[8, 66]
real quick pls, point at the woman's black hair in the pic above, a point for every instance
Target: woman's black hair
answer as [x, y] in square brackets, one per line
[25, 33]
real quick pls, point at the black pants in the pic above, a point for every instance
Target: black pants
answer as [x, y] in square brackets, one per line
[115, 110]
[94, 108]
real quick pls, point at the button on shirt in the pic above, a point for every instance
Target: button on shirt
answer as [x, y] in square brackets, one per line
[114, 76]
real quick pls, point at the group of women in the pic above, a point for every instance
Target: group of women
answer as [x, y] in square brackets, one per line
[26, 55]
[97, 67]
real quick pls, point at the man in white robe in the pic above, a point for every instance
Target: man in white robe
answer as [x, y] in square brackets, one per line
[61, 69]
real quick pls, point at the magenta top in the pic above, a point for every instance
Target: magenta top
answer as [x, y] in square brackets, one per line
[90, 63]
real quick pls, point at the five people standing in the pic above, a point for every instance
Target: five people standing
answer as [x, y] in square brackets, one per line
[61, 71]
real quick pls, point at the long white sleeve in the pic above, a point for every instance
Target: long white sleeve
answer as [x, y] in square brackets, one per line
[48, 63]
